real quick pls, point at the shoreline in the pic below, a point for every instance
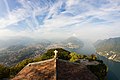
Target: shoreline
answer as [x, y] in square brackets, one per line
[110, 59]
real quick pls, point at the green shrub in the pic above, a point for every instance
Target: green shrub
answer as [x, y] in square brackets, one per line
[74, 57]
[15, 69]
[4, 71]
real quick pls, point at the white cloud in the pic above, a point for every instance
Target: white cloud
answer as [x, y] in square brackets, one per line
[60, 24]
[72, 2]
[13, 17]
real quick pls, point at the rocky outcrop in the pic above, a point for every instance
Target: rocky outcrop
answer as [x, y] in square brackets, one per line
[43, 70]
[73, 71]
[55, 69]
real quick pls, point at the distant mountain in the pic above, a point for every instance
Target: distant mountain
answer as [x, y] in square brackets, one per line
[109, 48]
[112, 44]
[15, 41]
[18, 49]
[73, 40]
[72, 44]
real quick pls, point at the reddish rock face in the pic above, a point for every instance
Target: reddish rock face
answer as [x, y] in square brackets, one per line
[55, 69]
[38, 71]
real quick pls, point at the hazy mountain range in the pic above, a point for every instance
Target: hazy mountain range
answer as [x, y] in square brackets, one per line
[17, 49]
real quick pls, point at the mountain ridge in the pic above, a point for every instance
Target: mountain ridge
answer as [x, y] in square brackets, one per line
[110, 48]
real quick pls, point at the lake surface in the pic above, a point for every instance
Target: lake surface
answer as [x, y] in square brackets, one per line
[113, 68]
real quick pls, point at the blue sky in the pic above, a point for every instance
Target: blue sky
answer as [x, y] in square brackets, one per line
[86, 19]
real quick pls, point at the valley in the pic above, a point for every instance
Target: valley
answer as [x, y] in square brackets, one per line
[14, 54]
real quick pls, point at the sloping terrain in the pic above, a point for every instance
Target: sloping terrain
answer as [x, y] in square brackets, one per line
[44, 70]
[55, 69]
[14, 54]
[73, 71]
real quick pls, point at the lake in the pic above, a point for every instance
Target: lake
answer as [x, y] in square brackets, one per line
[113, 68]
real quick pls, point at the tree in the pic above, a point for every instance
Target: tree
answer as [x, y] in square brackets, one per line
[84, 57]
[74, 56]
[93, 57]
[4, 71]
